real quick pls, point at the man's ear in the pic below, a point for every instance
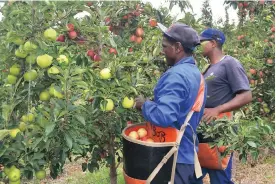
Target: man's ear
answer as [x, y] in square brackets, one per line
[178, 47]
[214, 43]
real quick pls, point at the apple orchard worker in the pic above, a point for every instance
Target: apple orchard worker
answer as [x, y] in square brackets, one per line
[175, 94]
[227, 91]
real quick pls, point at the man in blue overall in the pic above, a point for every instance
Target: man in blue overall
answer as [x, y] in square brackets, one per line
[175, 94]
[227, 91]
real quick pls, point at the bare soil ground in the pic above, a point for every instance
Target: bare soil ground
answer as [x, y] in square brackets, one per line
[262, 173]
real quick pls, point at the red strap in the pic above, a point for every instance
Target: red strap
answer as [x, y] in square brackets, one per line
[200, 96]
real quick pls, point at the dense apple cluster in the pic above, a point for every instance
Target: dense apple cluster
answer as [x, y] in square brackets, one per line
[141, 134]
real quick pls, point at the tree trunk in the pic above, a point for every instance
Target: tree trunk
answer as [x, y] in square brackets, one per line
[112, 166]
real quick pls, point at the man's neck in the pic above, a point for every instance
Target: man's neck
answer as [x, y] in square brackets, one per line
[180, 57]
[216, 57]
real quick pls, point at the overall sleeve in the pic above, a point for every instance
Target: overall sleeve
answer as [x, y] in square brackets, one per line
[164, 111]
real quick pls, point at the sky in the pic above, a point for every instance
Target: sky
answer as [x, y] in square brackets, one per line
[216, 6]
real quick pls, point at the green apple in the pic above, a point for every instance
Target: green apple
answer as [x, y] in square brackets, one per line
[21, 54]
[22, 126]
[14, 174]
[31, 59]
[15, 182]
[18, 41]
[109, 105]
[30, 75]
[55, 93]
[24, 118]
[8, 169]
[50, 34]
[44, 96]
[105, 73]
[44, 61]
[53, 70]
[145, 59]
[13, 132]
[11, 79]
[15, 69]
[266, 110]
[40, 174]
[62, 59]
[128, 102]
[30, 117]
[29, 46]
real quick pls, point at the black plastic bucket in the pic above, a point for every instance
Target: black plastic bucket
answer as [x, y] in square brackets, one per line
[141, 158]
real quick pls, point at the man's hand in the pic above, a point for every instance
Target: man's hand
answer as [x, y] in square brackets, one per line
[139, 101]
[210, 114]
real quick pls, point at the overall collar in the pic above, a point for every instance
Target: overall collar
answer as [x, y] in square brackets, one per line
[188, 60]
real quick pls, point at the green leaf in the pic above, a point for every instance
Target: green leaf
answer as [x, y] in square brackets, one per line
[69, 141]
[134, 90]
[49, 129]
[37, 141]
[252, 144]
[93, 166]
[113, 44]
[38, 156]
[62, 113]
[84, 167]
[80, 119]
[3, 134]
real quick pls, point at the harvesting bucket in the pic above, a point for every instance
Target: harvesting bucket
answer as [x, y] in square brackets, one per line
[141, 158]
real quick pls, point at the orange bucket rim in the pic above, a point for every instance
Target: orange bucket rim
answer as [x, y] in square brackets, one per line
[155, 144]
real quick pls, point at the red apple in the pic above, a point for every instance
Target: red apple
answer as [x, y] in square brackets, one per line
[149, 140]
[133, 135]
[107, 20]
[132, 38]
[142, 132]
[72, 35]
[112, 51]
[222, 149]
[130, 49]
[129, 123]
[260, 99]
[240, 5]
[61, 38]
[70, 27]
[90, 53]
[139, 32]
[139, 40]
[97, 57]
[144, 138]
[89, 4]
[137, 13]
[261, 74]
[261, 1]
[252, 71]
[269, 61]
[152, 22]
[245, 4]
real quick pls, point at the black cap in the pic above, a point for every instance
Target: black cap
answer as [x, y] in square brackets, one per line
[182, 33]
